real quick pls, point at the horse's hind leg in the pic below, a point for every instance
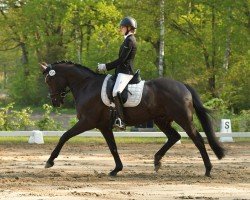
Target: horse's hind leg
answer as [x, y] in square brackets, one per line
[172, 135]
[188, 126]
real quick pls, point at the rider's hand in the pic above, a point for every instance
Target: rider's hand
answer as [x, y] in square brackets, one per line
[101, 67]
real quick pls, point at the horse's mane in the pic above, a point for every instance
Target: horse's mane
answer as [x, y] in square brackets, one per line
[77, 65]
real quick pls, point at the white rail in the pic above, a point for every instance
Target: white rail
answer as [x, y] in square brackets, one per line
[117, 134]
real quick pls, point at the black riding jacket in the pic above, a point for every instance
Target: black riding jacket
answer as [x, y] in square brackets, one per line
[125, 62]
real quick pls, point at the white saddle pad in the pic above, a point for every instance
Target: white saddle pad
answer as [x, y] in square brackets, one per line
[133, 99]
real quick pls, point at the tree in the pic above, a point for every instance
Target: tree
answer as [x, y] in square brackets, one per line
[150, 15]
[49, 36]
[11, 15]
[204, 42]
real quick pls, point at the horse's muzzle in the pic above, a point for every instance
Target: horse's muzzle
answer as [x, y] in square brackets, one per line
[56, 102]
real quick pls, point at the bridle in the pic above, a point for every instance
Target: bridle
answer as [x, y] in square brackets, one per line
[62, 93]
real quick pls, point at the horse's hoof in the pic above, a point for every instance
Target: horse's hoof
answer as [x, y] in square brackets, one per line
[48, 164]
[208, 174]
[113, 173]
[157, 166]
[208, 171]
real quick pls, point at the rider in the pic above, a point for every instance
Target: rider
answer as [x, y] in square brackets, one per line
[123, 65]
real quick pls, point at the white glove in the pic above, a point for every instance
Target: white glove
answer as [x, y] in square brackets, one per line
[101, 67]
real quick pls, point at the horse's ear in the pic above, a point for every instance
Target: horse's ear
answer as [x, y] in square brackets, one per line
[43, 66]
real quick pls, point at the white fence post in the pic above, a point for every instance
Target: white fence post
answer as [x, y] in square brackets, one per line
[225, 127]
[178, 142]
[36, 137]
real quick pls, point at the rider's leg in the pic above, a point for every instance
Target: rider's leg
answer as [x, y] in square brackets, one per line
[121, 82]
[119, 122]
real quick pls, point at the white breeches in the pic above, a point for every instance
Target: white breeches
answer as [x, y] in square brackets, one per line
[121, 82]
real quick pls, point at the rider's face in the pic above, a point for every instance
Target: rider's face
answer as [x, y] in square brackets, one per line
[123, 30]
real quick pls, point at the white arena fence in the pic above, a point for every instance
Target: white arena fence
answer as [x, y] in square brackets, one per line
[118, 134]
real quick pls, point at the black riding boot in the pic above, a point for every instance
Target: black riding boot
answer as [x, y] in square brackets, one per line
[119, 122]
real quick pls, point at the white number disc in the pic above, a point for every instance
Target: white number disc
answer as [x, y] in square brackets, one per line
[52, 72]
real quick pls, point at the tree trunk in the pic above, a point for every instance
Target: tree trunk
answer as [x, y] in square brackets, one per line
[25, 59]
[227, 51]
[89, 28]
[80, 46]
[38, 50]
[4, 76]
[161, 46]
[211, 80]
[190, 6]
[228, 42]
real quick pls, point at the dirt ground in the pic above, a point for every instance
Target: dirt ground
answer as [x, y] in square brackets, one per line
[80, 172]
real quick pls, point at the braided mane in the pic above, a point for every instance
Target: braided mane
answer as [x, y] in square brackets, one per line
[75, 64]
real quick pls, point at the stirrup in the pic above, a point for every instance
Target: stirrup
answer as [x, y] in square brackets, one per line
[119, 124]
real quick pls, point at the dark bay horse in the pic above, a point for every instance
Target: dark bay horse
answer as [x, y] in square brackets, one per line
[163, 101]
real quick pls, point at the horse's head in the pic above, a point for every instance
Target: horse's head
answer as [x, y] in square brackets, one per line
[56, 82]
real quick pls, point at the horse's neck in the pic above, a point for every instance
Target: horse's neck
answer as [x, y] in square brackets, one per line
[77, 81]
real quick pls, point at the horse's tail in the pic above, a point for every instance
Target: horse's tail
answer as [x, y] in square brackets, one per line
[202, 114]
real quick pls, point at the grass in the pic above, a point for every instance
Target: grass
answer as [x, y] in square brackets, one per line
[242, 139]
[100, 140]
[96, 140]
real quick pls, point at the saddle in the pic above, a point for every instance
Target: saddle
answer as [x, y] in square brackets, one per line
[131, 96]
[124, 95]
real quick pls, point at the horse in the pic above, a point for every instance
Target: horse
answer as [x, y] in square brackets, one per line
[163, 100]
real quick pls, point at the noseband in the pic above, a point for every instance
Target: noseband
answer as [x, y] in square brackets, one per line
[62, 94]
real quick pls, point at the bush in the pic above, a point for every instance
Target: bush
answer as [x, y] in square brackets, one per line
[241, 122]
[15, 120]
[217, 106]
[73, 121]
[47, 123]
[26, 89]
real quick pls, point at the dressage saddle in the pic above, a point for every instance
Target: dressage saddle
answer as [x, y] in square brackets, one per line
[124, 96]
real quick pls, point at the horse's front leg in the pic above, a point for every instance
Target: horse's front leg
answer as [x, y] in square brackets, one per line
[109, 137]
[79, 127]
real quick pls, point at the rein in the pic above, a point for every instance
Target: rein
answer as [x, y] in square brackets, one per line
[62, 94]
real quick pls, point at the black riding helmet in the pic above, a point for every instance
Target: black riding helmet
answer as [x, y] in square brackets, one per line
[129, 21]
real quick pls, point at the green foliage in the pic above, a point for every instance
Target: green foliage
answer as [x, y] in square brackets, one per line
[73, 121]
[25, 89]
[85, 32]
[236, 85]
[241, 122]
[15, 120]
[47, 123]
[12, 119]
[216, 104]
[218, 110]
